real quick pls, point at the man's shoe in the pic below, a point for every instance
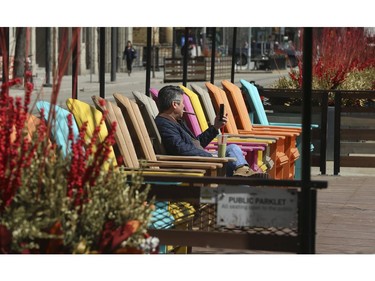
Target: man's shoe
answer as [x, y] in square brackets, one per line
[245, 171]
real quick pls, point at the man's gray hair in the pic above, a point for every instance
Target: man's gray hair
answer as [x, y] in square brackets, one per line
[167, 95]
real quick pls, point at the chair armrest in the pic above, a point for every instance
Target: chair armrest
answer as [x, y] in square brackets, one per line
[148, 171]
[270, 132]
[186, 165]
[292, 125]
[195, 158]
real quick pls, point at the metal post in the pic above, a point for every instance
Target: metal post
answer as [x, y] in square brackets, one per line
[307, 206]
[102, 62]
[185, 58]
[233, 54]
[92, 44]
[48, 57]
[6, 63]
[173, 42]
[249, 49]
[336, 134]
[213, 53]
[113, 53]
[323, 134]
[54, 52]
[148, 61]
[204, 40]
[75, 60]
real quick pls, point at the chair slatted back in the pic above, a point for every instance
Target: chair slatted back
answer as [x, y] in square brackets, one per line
[218, 97]
[84, 112]
[137, 128]
[238, 106]
[60, 129]
[149, 111]
[205, 102]
[198, 110]
[124, 142]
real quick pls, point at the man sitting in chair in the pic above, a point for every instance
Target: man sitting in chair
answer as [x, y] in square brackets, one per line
[179, 140]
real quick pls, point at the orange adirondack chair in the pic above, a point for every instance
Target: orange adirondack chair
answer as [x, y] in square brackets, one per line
[285, 151]
[244, 124]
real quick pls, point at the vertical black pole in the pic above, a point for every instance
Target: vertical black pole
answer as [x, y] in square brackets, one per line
[76, 41]
[102, 62]
[213, 53]
[233, 53]
[6, 63]
[307, 208]
[48, 57]
[185, 57]
[323, 134]
[336, 134]
[113, 53]
[148, 61]
[173, 42]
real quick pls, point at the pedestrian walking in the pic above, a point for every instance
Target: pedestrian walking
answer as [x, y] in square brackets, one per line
[129, 55]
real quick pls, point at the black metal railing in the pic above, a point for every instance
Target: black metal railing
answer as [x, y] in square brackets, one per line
[345, 118]
[198, 228]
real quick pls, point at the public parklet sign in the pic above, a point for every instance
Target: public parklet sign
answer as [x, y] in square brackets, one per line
[247, 206]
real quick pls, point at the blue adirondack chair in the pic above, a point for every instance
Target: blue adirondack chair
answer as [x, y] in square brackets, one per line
[60, 130]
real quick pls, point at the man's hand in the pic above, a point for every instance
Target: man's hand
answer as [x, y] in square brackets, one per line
[220, 123]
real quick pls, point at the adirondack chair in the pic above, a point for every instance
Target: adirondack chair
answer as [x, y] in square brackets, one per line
[253, 151]
[60, 129]
[191, 120]
[181, 211]
[243, 122]
[154, 94]
[285, 142]
[32, 123]
[149, 111]
[162, 217]
[152, 111]
[241, 114]
[206, 104]
[250, 149]
[252, 98]
[138, 131]
[84, 112]
[127, 147]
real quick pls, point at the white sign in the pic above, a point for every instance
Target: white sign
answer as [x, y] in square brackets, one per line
[256, 206]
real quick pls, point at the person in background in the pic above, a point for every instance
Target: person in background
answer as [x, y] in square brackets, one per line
[129, 55]
[179, 140]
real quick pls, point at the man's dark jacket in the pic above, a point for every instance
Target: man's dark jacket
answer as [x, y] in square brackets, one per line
[179, 140]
